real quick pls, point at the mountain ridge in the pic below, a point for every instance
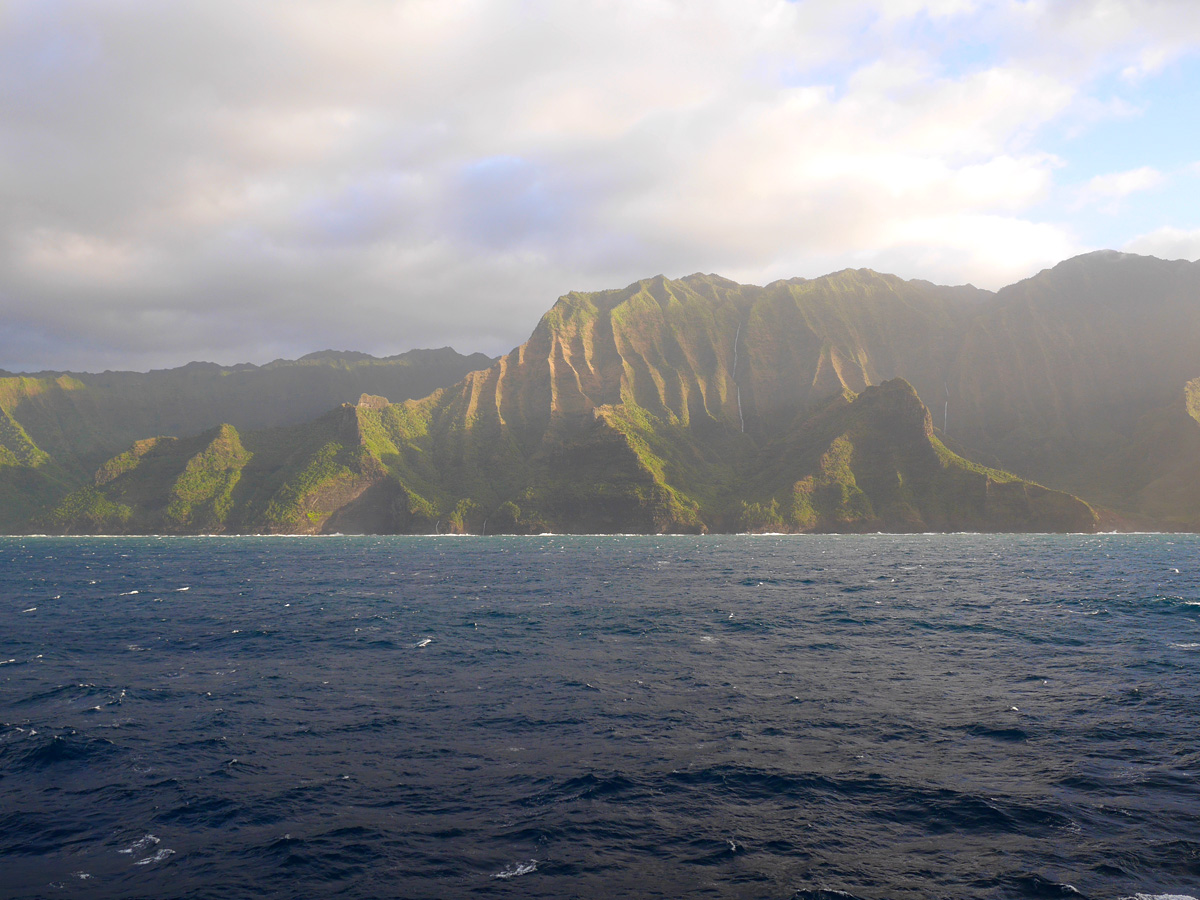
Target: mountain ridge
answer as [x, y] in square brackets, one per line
[662, 402]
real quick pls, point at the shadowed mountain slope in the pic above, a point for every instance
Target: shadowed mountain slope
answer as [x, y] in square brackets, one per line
[56, 428]
[1078, 377]
[82, 419]
[687, 405]
[699, 403]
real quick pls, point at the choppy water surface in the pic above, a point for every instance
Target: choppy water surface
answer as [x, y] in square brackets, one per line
[886, 717]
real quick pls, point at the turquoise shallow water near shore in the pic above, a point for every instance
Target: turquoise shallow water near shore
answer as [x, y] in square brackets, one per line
[881, 716]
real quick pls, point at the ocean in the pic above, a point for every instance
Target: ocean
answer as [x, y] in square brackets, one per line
[872, 716]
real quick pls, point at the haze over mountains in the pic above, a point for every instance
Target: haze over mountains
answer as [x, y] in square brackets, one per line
[669, 405]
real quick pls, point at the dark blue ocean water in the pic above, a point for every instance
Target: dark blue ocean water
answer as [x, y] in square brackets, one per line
[793, 717]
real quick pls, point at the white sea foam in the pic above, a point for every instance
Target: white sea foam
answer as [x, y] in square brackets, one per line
[128, 593]
[156, 858]
[141, 844]
[517, 869]
[182, 589]
[425, 642]
[1161, 897]
[31, 609]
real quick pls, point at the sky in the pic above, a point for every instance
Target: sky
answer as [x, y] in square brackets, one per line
[237, 182]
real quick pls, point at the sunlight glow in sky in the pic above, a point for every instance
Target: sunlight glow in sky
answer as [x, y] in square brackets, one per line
[214, 179]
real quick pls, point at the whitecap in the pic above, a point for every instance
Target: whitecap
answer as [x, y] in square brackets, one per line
[31, 609]
[128, 593]
[180, 590]
[1162, 897]
[140, 844]
[517, 869]
[157, 857]
[425, 642]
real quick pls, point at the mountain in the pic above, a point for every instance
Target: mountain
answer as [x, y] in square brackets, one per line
[680, 405]
[687, 405]
[1078, 376]
[56, 428]
[865, 462]
[29, 478]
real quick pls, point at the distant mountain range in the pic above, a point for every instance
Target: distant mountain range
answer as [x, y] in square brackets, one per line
[692, 405]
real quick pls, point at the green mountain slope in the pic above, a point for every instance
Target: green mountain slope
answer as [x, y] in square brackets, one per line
[1076, 377]
[82, 419]
[873, 462]
[55, 429]
[690, 405]
[699, 403]
[857, 463]
[29, 479]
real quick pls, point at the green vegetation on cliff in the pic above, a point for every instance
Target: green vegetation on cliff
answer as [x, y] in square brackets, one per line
[159, 485]
[30, 480]
[83, 419]
[700, 404]
[523, 446]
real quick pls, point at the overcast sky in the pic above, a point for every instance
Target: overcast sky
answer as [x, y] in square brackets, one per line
[238, 181]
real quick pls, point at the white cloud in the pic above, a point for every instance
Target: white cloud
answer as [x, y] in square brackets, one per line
[1167, 243]
[379, 175]
[1115, 185]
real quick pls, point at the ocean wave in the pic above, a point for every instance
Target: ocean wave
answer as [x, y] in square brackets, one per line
[516, 870]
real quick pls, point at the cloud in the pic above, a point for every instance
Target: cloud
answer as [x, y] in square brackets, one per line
[1167, 243]
[1121, 184]
[236, 181]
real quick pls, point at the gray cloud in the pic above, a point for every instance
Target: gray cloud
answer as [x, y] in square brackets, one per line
[235, 181]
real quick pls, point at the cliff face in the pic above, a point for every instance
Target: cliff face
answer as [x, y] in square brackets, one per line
[703, 404]
[668, 406]
[1078, 378]
[56, 428]
[873, 462]
[82, 419]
